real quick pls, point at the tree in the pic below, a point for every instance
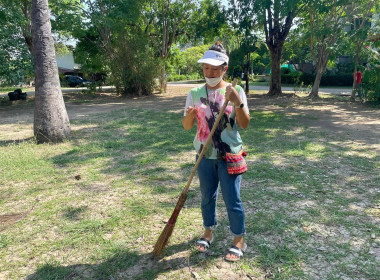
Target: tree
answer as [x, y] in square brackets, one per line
[275, 17]
[16, 34]
[167, 21]
[115, 40]
[242, 58]
[297, 50]
[51, 122]
[209, 23]
[325, 20]
[191, 57]
[15, 59]
[361, 26]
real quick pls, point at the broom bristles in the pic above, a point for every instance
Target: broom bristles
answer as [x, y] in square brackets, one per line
[163, 240]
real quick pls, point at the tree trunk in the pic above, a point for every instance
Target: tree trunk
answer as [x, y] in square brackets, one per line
[315, 89]
[321, 68]
[27, 31]
[352, 98]
[275, 80]
[246, 72]
[246, 75]
[51, 122]
[163, 81]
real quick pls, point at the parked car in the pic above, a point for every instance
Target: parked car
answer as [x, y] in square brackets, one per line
[76, 81]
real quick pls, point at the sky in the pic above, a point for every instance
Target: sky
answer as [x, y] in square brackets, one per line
[225, 2]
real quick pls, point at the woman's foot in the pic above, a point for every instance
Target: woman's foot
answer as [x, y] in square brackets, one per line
[203, 243]
[237, 250]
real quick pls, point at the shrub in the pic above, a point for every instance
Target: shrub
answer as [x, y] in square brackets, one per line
[133, 66]
[176, 77]
[371, 84]
[337, 80]
[290, 77]
[308, 79]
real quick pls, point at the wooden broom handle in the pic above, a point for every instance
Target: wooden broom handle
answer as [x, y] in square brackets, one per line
[208, 141]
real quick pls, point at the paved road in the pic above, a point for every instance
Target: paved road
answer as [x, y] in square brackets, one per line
[337, 91]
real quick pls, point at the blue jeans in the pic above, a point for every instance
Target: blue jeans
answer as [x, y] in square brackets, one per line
[211, 172]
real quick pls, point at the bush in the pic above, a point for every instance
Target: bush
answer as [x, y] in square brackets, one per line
[290, 77]
[308, 79]
[133, 66]
[371, 84]
[337, 80]
[176, 77]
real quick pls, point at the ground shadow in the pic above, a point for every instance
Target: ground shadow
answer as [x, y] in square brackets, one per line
[124, 264]
[16, 142]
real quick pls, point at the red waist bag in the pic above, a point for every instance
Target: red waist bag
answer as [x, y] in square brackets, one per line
[236, 163]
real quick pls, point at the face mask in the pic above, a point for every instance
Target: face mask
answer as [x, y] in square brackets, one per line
[213, 81]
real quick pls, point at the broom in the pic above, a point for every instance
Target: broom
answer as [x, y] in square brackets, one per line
[168, 230]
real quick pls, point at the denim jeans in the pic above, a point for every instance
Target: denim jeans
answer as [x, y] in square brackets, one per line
[211, 172]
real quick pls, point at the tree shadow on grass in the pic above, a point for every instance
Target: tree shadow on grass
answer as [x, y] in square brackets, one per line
[4, 143]
[122, 264]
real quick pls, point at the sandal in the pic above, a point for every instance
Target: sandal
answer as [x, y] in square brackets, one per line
[204, 243]
[236, 251]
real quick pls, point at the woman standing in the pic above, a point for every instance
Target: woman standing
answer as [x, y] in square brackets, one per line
[203, 104]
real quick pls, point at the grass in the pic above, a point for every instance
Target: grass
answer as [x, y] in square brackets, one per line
[311, 202]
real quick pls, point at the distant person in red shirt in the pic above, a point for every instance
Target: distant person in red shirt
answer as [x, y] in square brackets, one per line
[358, 86]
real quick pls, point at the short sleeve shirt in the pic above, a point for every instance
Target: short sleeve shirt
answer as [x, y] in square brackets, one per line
[226, 138]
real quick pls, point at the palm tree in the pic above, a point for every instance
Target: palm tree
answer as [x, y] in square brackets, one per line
[51, 122]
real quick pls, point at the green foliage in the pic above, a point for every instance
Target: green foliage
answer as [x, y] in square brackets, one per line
[133, 72]
[251, 56]
[176, 77]
[15, 59]
[190, 57]
[209, 22]
[114, 42]
[296, 49]
[16, 64]
[371, 84]
[61, 49]
[296, 78]
[175, 61]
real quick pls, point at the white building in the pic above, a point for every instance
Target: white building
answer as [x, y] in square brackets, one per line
[66, 63]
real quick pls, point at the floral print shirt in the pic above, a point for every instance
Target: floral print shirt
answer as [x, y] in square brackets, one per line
[226, 138]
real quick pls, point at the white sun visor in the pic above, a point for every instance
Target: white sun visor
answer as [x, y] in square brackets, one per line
[214, 58]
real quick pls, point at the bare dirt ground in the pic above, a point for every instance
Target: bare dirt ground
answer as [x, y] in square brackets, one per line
[359, 120]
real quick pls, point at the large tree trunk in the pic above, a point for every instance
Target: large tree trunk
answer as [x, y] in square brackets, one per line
[321, 68]
[317, 81]
[275, 80]
[163, 80]
[246, 76]
[51, 122]
[246, 72]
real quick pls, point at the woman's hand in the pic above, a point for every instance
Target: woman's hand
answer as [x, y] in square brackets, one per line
[232, 95]
[191, 111]
[242, 116]
[188, 120]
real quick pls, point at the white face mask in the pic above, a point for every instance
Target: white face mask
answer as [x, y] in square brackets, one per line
[212, 82]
